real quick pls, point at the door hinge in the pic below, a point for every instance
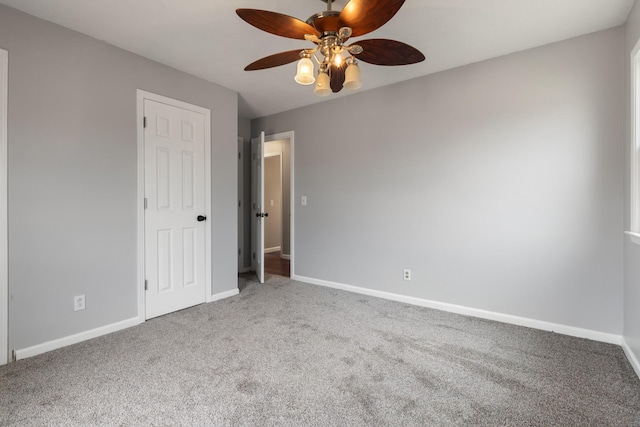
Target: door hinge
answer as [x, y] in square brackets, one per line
[145, 203]
[144, 122]
[239, 203]
[254, 255]
[146, 285]
[239, 251]
[239, 155]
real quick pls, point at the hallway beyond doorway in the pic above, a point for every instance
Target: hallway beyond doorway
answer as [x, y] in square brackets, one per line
[274, 264]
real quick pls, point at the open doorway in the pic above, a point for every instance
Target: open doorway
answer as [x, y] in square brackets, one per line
[272, 208]
[276, 257]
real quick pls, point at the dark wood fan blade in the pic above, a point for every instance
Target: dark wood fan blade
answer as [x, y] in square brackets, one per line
[326, 23]
[388, 52]
[337, 77]
[364, 16]
[276, 60]
[277, 23]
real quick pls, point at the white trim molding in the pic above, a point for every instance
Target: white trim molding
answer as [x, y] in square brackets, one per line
[635, 237]
[280, 154]
[241, 207]
[468, 311]
[141, 96]
[94, 333]
[4, 230]
[226, 294]
[631, 356]
[634, 147]
[271, 250]
[74, 339]
[290, 135]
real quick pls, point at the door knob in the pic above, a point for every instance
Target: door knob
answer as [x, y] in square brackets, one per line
[262, 215]
[201, 218]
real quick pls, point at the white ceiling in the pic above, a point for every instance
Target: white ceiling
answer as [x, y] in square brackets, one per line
[207, 39]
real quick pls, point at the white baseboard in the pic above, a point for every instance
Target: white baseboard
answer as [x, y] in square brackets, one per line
[631, 356]
[94, 333]
[223, 295]
[270, 250]
[74, 339]
[245, 270]
[475, 312]
[285, 256]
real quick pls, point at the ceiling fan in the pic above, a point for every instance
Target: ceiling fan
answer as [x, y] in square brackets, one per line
[329, 31]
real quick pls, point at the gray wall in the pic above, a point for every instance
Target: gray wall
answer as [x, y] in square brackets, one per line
[631, 250]
[499, 184]
[272, 193]
[72, 176]
[244, 128]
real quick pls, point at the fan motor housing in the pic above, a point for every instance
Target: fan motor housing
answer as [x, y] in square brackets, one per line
[326, 21]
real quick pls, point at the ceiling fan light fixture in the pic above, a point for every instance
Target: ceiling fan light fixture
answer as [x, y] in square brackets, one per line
[337, 59]
[352, 77]
[329, 31]
[323, 84]
[344, 33]
[304, 74]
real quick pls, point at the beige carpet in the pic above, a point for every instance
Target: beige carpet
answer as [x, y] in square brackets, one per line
[289, 354]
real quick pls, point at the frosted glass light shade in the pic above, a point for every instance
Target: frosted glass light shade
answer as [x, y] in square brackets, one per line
[304, 75]
[338, 60]
[323, 85]
[352, 77]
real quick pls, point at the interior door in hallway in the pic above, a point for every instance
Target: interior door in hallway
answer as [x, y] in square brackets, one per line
[174, 162]
[257, 203]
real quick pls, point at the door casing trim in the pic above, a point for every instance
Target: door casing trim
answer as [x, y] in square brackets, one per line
[4, 225]
[281, 155]
[290, 135]
[141, 96]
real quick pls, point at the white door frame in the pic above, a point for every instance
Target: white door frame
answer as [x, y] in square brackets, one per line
[4, 231]
[141, 97]
[292, 195]
[281, 155]
[241, 206]
[257, 205]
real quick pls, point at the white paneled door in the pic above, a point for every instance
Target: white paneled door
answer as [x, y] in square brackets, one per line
[257, 170]
[175, 215]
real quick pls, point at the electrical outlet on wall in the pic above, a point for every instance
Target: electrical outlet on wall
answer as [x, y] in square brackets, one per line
[78, 302]
[407, 274]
